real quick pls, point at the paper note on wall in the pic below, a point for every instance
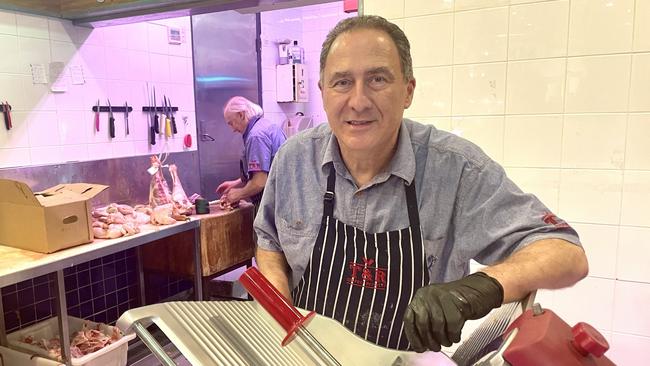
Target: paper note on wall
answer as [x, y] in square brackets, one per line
[59, 77]
[77, 73]
[38, 74]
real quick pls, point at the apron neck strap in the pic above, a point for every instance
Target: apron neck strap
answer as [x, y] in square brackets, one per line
[411, 199]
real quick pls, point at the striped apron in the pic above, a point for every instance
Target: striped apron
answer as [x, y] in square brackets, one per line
[364, 280]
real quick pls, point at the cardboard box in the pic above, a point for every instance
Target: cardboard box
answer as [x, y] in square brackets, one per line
[47, 221]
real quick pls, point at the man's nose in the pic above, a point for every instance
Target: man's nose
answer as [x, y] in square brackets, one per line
[359, 98]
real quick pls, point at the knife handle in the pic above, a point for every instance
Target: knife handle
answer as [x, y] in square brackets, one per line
[111, 127]
[156, 126]
[152, 136]
[174, 130]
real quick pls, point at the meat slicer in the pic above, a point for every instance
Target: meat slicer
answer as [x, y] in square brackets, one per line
[270, 331]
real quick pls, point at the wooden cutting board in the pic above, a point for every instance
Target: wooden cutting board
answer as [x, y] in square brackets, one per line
[226, 240]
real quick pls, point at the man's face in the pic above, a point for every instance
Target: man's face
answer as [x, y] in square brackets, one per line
[364, 92]
[236, 120]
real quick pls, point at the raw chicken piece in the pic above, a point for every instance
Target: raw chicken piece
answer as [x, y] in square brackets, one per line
[158, 189]
[182, 203]
[162, 215]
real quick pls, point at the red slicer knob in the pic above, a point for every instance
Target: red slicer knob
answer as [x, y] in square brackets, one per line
[274, 302]
[587, 340]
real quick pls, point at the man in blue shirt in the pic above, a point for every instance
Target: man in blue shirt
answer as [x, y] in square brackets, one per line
[262, 139]
[372, 219]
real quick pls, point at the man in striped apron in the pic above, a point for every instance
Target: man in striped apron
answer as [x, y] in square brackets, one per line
[372, 219]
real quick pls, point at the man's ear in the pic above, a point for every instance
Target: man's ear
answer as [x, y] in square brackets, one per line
[410, 89]
[320, 86]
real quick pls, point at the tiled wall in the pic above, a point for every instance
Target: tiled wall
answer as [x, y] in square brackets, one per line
[117, 63]
[559, 93]
[99, 290]
[309, 26]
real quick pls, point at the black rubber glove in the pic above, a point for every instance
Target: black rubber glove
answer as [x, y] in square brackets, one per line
[438, 312]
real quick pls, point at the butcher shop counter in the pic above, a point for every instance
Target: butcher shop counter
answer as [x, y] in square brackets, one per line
[18, 265]
[226, 244]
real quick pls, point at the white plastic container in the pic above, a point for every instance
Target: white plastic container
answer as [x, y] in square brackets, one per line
[114, 354]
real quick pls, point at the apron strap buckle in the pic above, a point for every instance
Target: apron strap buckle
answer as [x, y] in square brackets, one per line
[329, 196]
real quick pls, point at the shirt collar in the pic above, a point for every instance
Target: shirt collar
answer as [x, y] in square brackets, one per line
[251, 123]
[401, 165]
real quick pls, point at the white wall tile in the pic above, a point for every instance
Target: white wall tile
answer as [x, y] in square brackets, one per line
[481, 35]
[31, 26]
[32, 51]
[591, 196]
[72, 153]
[157, 37]
[159, 65]
[636, 200]
[478, 4]
[7, 22]
[589, 77]
[594, 141]
[630, 313]
[36, 97]
[18, 136]
[116, 37]
[139, 66]
[486, 132]
[533, 141]
[45, 155]
[536, 86]
[479, 89]
[9, 46]
[543, 183]
[117, 68]
[590, 300]
[642, 26]
[43, 129]
[93, 61]
[640, 88]
[425, 49]
[180, 69]
[100, 151]
[127, 148]
[421, 7]
[600, 26]
[633, 254]
[63, 52]
[62, 30]
[14, 157]
[387, 8]
[440, 123]
[637, 150]
[538, 30]
[432, 92]
[628, 349]
[600, 243]
[69, 130]
[138, 37]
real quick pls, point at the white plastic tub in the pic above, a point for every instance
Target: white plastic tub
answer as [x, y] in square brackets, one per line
[114, 354]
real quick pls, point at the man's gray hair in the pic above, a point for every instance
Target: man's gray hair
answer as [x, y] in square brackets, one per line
[371, 22]
[241, 104]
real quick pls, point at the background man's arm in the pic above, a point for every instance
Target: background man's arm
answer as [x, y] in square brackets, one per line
[254, 186]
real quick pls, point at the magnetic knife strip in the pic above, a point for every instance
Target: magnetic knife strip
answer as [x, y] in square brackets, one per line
[242, 333]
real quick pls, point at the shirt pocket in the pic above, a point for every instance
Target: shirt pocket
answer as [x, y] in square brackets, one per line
[297, 227]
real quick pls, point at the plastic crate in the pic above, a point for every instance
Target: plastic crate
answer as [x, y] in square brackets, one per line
[114, 354]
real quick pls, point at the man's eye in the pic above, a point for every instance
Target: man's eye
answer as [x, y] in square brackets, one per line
[378, 79]
[341, 83]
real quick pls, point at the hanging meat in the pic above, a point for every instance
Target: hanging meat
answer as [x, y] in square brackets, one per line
[181, 202]
[158, 189]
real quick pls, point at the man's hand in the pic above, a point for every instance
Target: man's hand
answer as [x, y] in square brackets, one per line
[437, 313]
[232, 196]
[227, 186]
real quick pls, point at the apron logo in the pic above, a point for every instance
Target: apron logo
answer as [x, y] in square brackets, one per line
[364, 275]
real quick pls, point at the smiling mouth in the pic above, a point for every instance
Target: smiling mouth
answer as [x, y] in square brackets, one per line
[358, 123]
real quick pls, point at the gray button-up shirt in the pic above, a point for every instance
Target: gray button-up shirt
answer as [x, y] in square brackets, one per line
[468, 208]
